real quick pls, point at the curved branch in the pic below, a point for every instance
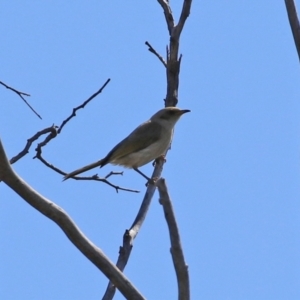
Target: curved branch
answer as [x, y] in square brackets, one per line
[61, 218]
[50, 130]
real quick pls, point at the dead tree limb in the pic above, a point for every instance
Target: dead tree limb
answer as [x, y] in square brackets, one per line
[180, 266]
[61, 218]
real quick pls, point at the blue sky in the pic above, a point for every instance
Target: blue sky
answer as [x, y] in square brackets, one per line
[233, 171]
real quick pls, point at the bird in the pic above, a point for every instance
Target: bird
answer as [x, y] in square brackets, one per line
[147, 142]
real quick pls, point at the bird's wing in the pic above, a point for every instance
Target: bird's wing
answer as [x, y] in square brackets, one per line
[142, 137]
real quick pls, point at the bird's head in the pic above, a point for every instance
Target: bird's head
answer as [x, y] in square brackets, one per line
[169, 115]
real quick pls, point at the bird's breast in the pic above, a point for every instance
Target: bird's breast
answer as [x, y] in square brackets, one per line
[144, 156]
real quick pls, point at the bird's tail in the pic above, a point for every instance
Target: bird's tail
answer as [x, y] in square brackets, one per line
[83, 169]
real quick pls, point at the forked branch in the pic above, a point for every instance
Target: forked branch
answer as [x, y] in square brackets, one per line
[21, 94]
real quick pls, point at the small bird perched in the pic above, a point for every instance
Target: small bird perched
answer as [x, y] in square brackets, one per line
[147, 142]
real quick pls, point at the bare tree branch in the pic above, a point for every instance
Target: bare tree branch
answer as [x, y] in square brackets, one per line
[82, 105]
[96, 178]
[61, 218]
[152, 50]
[29, 143]
[21, 94]
[294, 23]
[185, 12]
[168, 14]
[173, 64]
[130, 234]
[176, 250]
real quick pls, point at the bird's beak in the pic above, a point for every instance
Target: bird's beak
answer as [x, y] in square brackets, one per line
[183, 111]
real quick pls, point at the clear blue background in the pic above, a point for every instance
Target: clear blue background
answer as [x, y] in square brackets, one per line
[233, 171]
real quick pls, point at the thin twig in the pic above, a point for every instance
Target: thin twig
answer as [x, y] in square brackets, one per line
[294, 23]
[82, 106]
[152, 50]
[21, 94]
[52, 135]
[113, 173]
[176, 249]
[96, 178]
